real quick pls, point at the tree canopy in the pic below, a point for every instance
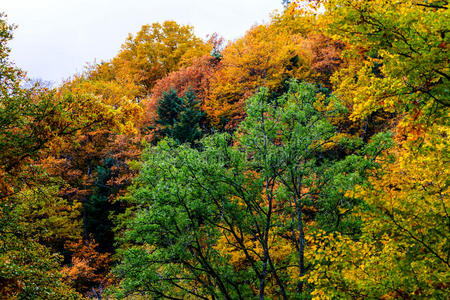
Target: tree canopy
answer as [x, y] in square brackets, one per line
[306, 159]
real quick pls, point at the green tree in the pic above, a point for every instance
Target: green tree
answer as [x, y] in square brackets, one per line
[179, 118]
[99, 206]
[293, 141]
[210, 223]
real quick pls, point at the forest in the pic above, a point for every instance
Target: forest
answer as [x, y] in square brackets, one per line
[307, 159]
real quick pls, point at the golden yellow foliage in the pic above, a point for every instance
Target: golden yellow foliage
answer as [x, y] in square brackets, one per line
[403, 251]
[265, 56]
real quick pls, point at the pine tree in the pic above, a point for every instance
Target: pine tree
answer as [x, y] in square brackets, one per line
[179, 117]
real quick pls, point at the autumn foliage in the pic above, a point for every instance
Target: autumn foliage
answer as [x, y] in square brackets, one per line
[307, 159]
[88, 269]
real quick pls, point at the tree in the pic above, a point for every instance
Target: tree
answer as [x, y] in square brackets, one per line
[47, 216]
[209, 222]
[99, 206]
[404, 246]
[108, 90]
[196, 77]
[179, 117]
[397, 70]
[33, 121]
[297, 136]
[28, 270]
[291, 45]
[155, 51]
[326, 56]
[88, 271]
[390, 41]
[40, 130]
[176, 256]
[265, 56]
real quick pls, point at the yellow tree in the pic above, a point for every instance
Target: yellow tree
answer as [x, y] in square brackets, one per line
[404, 248]
[398, 65]
[155, 51]
[399, 51]
[289, 46]
[263, 57]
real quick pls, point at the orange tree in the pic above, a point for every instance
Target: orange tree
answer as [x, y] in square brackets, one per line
[31, 122]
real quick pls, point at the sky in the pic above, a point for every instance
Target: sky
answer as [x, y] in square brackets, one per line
[56, 38]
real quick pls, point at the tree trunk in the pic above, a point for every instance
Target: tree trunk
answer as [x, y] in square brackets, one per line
[301, 249]
[84, 205]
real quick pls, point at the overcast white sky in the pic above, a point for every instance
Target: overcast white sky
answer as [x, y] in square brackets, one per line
[55, 38]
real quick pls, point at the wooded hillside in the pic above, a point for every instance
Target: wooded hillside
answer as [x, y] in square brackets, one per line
[308, 159]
